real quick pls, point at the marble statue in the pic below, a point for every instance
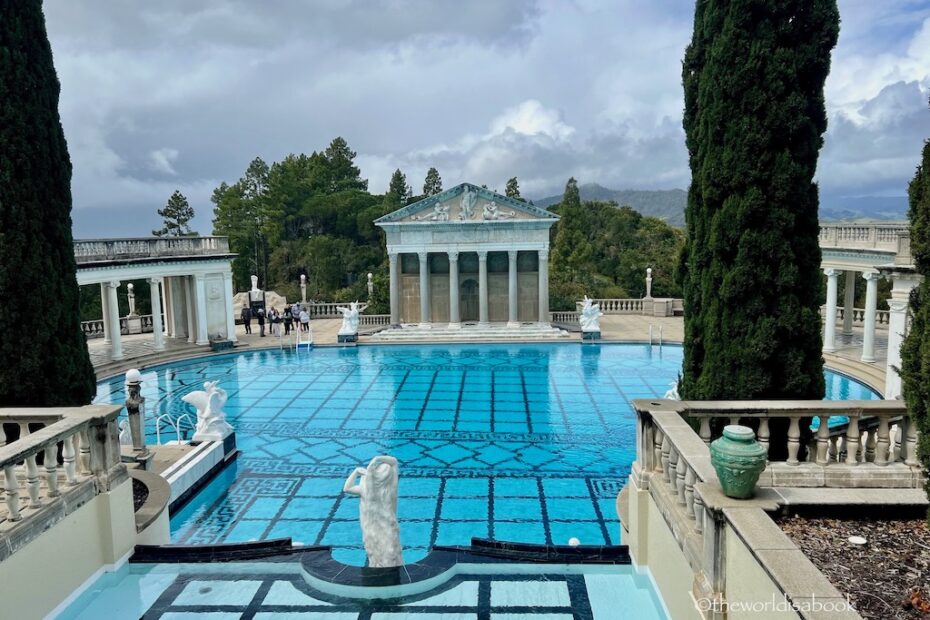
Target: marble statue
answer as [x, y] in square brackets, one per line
[256, 293]
[672, 393]
[440, 213]
[371, 285]
[591, 314]
[131, 295]
[211, 421]
[376, 488]
[467, 206]
[491, 212]
[125, 435]
[648, 283]
[349, 318]
[135, 413]
[303, 288]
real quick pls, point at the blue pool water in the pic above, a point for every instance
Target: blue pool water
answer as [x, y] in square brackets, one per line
[514, 442]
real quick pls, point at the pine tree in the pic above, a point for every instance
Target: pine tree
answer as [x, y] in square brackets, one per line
[176, 215]
[513, 189]
[398, 191]
[433, 183]
[754, 120]
[570, 249]
[47, 363]
[915, 350]
[343, 174]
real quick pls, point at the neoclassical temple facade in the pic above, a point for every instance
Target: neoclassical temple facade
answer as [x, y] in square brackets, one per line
[468, 256]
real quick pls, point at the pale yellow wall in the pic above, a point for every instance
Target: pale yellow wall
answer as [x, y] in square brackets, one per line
[749, 584]
[498, 297]
[157, 533]
[39, 576]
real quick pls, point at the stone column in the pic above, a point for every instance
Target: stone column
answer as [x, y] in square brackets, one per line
[424, 290]
[512, 320]
[166, 305]
[230, 313]
[849, 303]
[393, 259]
[189, 306]
[901, 285]
[871, 307]
[105, 312]
[116, 339]
[544, 286]
[829, 329]
[158, 336]
[455, 319]
[200, 297]
[483, 288]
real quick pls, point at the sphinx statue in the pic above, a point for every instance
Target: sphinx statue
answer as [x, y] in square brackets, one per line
[211, 421]
[591, 314]
[376, 488]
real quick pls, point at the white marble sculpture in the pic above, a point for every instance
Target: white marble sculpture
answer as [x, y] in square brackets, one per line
[467, 206]
[125, 435]
[672, 393]
[256, 293]
[440, 213]
[491, 212]
[211, 421]
[350, 318]
[591, 314]
[376, 487]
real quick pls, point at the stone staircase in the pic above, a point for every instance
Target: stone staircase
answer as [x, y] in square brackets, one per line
[470, 333]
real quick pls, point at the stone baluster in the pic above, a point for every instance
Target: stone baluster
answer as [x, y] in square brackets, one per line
[852, 441]
[666, 457]
[690, 478]
[896, 444]
[2, 436]
[32, 472]
[84, 460]
[734, 419]
[834, 449]
[705, 430]
[823, 441]
[67, 457]
[910, 444]
[698, 513]
[12, 493]
[657, 448]
[868, 455]
[763, 435]
[883, 443]
[794, 440]
[51, 470]
[680, 473]
[672, 467]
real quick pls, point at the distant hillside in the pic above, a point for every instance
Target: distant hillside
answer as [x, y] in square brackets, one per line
[668, 205]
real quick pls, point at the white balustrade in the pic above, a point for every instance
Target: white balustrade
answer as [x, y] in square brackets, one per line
[101, 250]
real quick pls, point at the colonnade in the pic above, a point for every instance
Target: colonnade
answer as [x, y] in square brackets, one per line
[455, 321]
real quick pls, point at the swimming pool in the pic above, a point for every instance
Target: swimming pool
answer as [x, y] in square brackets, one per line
[526, 443]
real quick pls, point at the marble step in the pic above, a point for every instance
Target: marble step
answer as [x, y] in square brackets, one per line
[470, 333]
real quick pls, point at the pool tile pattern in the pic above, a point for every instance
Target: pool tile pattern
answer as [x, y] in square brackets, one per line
[528, 443]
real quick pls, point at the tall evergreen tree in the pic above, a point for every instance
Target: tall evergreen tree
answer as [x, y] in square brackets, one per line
[47, 364]
[570, 249]
[176, 215]
[398, 191]
[433, 183]
[754, 119]
[915, 351]
[513, 189]
[343, 174]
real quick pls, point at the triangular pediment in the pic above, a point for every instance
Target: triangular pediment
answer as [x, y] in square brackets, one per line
[466, 203]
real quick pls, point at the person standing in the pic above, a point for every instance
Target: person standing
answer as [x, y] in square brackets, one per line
[247, 319]
[260, 315]
[288, 319]
[304, 320]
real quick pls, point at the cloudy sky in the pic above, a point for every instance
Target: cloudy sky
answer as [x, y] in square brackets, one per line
[184, 93]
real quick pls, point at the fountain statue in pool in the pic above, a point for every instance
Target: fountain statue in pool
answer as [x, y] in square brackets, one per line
[211, 421]
[376, 487]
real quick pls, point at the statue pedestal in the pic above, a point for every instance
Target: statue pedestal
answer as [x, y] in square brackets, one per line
[134, 324]
[347, 337]
[217, 432]
[591, 335]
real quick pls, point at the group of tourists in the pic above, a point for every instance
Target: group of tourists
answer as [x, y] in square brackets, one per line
[292, 316]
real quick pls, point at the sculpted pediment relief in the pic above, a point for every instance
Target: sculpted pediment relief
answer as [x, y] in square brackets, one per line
[466, 203]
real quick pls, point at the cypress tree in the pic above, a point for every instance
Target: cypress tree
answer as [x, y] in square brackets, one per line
[754, 120]
[44, 362]
[915, 350]
[432, 184]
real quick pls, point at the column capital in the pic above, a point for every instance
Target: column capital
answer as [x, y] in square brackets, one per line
[868, 276]
[482, 255]
[453, 256]
[423, 256]
[830, 272]
[112, 284]
[155, 281]
[512, 254]
[543, 254]
[199, 277]
[392, 256]
[897, 305]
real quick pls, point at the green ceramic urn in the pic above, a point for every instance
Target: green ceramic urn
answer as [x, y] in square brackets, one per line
[738, 459]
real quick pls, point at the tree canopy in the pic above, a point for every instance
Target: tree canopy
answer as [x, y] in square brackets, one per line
[432, 185]
[176, 215]
[46, 362]
[513, 189]
[754, 120]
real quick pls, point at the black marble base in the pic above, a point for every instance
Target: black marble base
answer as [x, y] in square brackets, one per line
[221, 345]
[347, 337]
[590, 335]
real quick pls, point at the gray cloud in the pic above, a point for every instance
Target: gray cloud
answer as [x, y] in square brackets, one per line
[184, 93]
